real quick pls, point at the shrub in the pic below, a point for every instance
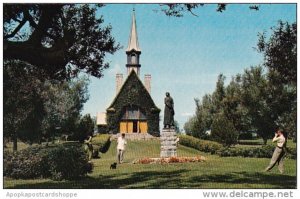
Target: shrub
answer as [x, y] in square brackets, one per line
[265, 151]
[223, 130]
[291, 153]
[25, 164]
[56, 162]
[67, 162]
[202, 145]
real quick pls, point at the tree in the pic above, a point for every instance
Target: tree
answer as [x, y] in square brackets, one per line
[201, 121]
[62, 39]
[257, 100]
[280, 58]
[188, 126]
[179, 9]
[85, 128]
[233, 107]
[280, 53]
[34, 106]
[22, 107]
[207, 108]
[254, 97]
[63, 104]
[223, 131]
[177, 127]
[219, 93]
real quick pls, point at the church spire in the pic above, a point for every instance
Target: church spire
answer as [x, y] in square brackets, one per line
[133, 50]
[133, 43]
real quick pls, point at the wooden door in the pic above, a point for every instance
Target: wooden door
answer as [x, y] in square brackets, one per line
[126, 127]
[129, 127]
[143, 127]
[123, 127]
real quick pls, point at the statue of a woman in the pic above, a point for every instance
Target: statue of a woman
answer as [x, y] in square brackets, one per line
[169, 111]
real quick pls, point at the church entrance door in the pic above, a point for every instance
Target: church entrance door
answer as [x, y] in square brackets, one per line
[135, 126]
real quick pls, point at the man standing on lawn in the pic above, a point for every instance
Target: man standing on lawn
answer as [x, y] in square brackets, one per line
[121, 148]
[279, 152]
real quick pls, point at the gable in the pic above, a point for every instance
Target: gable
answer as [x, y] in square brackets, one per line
[133, 92]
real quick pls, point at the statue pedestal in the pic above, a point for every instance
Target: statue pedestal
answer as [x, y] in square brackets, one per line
[168, 143]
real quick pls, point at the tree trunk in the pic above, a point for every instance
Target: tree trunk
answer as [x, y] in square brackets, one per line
[265, 141]
[15, 142]
[53, 139]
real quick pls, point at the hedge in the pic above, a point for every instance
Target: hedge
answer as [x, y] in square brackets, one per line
[202, 145]
[56, 162]
[265, 151]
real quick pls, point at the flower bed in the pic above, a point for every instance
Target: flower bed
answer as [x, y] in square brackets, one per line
[169, 160]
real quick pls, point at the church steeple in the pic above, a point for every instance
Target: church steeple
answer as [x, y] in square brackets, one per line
[133, 43]
[133, 50]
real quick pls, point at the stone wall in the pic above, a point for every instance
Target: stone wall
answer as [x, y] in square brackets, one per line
[135, 136]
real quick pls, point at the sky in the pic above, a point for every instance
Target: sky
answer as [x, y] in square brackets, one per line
[184, 55]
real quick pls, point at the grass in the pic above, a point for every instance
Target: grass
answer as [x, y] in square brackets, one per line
[216, 172]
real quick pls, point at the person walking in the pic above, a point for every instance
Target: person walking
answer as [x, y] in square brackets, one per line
[121, 143]
[279, 152]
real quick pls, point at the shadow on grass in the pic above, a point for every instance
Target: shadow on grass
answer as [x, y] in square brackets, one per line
[245, 179]
[146, 179]
[169, 179]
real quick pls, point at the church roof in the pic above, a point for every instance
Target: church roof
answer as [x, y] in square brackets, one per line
[131, 80]
[133, 43]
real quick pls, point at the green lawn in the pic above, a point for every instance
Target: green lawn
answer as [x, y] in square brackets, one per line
[216, 172]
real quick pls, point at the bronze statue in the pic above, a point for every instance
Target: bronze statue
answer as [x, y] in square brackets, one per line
[169, 111]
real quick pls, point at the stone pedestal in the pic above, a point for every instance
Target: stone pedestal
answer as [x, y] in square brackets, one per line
[168, 143]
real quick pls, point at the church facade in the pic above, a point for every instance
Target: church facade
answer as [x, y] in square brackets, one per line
[133, 110]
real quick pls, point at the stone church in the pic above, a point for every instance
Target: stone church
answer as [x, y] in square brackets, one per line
[133, 110]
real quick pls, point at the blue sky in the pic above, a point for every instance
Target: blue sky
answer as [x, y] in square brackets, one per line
[185, 55]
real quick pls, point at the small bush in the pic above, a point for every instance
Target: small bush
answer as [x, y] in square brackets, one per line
[67, 162]
[56, 162]
[202, 145]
